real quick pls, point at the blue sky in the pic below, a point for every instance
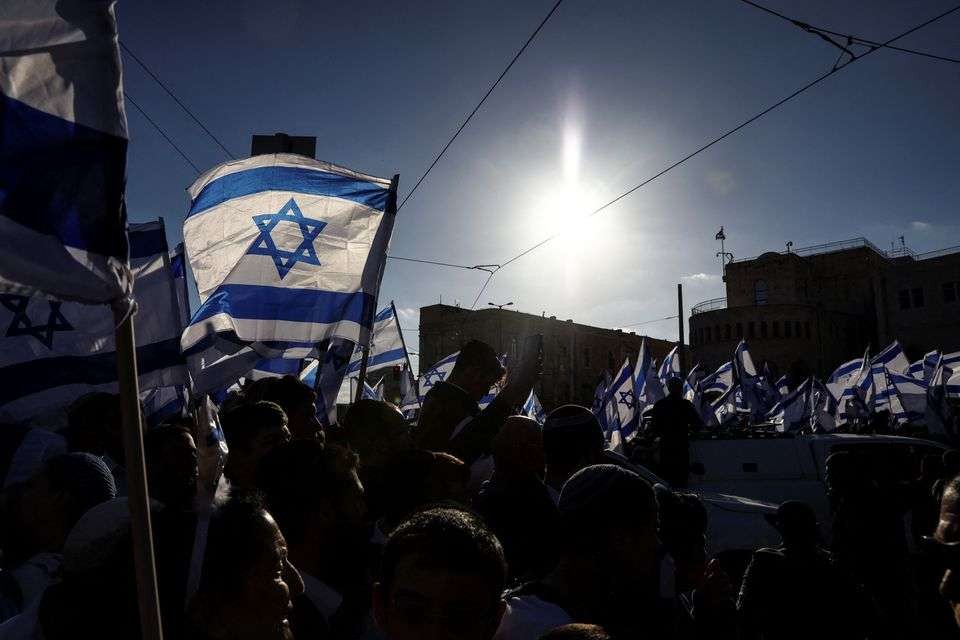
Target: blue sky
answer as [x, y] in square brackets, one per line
[608, 95]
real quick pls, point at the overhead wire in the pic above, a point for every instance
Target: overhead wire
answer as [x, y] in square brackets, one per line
[480, 104]
[169, 91]
[698, 151]
[160, 130]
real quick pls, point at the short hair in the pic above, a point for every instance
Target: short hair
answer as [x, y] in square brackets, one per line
[85, 477]
[242, 423]
[600, 498]
[569, 433]
[294, 475]
[158, 436]
[287, 391]
[446, 538]
[477, 354]
[576, 632]
[674, 384]
[234, 543]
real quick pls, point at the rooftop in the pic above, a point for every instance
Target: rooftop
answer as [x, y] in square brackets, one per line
[903, 251]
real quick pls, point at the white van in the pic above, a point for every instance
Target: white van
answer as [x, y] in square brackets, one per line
[775, 468]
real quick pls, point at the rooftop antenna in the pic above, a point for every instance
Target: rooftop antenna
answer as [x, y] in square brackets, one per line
[903, 243]
[722, 254]
[789, 245]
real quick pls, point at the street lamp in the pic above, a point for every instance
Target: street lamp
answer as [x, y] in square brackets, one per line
[501, 306]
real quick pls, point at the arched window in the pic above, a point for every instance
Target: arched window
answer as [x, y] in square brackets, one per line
[760, 292]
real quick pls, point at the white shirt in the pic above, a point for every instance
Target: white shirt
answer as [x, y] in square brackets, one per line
[528, 617]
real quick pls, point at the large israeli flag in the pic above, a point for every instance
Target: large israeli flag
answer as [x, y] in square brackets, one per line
[647, 388]
[720, 380]
[439, 372]
[53, 351]
[670, 367]
[287, 252]
[63, 147]
[693, 379]
[913, 397]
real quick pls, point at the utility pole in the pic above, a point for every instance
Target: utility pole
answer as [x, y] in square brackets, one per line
[680, 350]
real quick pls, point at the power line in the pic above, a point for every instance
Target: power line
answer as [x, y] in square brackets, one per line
[489, 268]
[179, 102]
[851, 38]
[740, 126]
[482, 289]
[637, 324]
[161, 132]
[480, 104]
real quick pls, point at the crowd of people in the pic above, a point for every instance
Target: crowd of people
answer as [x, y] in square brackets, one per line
[471, 524]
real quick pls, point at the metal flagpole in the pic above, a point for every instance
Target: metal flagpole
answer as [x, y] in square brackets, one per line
[391, 204]
[138, 500]
[406, 354]
[680, 351]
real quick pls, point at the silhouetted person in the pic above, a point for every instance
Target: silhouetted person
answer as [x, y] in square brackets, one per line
[672, 418]
[251, 430]
[572, 439]
[172, 465]
[516, 503]
[297, 400]
[451, 420]
[797, 590]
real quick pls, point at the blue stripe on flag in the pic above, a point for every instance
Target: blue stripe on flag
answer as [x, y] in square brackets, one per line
[293, 179]
[396, 355]
[62, 179]
[25, 378]
[384, 314]
[254, 302]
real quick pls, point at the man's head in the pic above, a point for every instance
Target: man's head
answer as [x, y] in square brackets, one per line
[797, 524]
[518, 448]
[683, 531]
[607, 503]
[477, 369]
[442, 574]
[39, 513]
[572, 439]
[172, 465]
[841, 472]
[675, 386]
[314, 493]
[376, 431]
[251, 430]
[946, 542]
[418, 478]
[296, 399]
[94, 425]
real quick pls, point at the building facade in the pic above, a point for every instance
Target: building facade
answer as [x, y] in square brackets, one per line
[574, 355]
[811, 309]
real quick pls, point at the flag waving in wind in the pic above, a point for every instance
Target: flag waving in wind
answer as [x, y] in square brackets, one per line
[287, 252]
[63, 148]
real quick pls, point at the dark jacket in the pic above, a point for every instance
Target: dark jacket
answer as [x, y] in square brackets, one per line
[452, 422]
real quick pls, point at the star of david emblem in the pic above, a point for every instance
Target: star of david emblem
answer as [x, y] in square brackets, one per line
[284, 260]
[433, 377]
[626, 398]
[22, 325]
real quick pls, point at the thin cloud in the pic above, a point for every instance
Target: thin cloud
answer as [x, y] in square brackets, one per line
[701, 277]
[918, 225]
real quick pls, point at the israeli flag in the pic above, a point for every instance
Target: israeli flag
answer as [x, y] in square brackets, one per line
[163, 403]
[930, 362]
[912, 393]
[703, 407]
[752, 394]
[938, 414]
[624, 400]
[599, 402]
[437, 373]
[63, 148]
[782, 387]
[53, 351]
[916, 369]
[178, 269]
[823, 414]
[670, 367]
[847, 371]
[725, 407]
[720, 380]
[287, 252]
[647, 388]
[951, 360]
[386, 345]
[326, 377]
[370, 393]
[533, 409]
[693, 379]
[892, 358]
[793, 410]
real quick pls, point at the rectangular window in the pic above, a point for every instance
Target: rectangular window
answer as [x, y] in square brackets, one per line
[917, 296]
[776, 328]
[950, 290]
[739, 330]
[750, 330]
[806, 330]
[763, 328]
[903, 296]
[787, 333]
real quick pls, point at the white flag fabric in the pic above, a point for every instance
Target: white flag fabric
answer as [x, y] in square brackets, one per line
[63, 147]
[624, 398]
[386, 345]
[893, 358]
[913, 396]
[53, 351]
[793, 410]
[670, 367]
[720, 380]
[533, 409]
[287, 252]
[647, 388]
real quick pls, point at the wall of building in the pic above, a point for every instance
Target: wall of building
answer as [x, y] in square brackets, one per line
[574, 355]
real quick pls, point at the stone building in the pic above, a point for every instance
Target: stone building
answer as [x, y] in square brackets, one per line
[574, 355]
[811, 309]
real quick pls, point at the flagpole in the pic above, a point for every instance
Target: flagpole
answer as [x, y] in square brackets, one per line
[138, 500]
[390, 209]
[406, 354]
